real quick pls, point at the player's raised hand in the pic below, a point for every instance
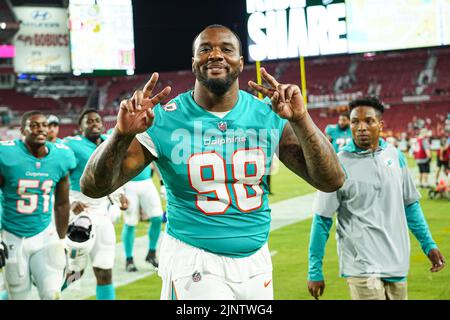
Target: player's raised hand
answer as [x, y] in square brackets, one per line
[136, 114]
[287, 99]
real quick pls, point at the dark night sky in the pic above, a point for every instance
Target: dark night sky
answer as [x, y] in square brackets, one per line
[164, 30]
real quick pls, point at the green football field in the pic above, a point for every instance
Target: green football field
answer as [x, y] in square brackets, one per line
[290, 263]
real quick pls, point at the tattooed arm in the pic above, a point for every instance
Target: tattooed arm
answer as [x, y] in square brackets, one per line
[121, 156]
[303, 148]
[308, 153]
[113, 163]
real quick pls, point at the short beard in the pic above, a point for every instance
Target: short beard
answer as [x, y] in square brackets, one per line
[93, 136]
[364, 146]
[33, 144]
[217, 86]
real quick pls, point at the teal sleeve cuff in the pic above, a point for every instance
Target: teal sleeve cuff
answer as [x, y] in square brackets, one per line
[419, 227]
[320, 231]
[394, 279]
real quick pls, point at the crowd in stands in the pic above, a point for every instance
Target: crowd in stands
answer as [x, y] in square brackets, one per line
[414, 85]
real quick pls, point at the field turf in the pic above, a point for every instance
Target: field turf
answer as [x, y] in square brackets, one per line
[291, 260]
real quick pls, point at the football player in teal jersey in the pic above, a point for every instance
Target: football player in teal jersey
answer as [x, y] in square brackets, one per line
[3, 254]
[32, 170]
[142, 195]
[339, 134]
[53, 129]
[102, 253]
[214, 146]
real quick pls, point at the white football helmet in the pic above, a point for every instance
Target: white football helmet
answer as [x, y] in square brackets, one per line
[80, 236]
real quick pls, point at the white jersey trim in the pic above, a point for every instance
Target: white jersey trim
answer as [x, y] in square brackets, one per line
[147, 142]
[220, 115]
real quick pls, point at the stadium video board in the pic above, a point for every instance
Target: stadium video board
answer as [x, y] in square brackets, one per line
[280, 29]
[101, 37]
[396, 24]
[42, 42]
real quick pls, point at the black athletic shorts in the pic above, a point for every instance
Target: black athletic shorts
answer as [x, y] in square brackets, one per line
[424, 167]
[444, 164]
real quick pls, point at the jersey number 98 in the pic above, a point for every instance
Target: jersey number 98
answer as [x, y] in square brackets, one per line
[248, 167]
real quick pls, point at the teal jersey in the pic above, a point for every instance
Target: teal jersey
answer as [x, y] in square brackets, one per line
[339, 137]
[1, 207]
[215, 172]
[83, 148]
[29, 184]
[145, 174]
[266, 99]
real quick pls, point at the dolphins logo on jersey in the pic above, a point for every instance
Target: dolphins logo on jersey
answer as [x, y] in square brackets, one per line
[389, 162]
[222, 125]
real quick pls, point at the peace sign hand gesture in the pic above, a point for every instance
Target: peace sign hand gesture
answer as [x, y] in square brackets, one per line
[287, 100]
[136, 114]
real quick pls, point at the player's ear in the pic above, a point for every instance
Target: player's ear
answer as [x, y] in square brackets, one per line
[241, 62]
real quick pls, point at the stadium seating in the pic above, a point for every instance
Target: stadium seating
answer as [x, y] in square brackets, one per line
[123, 85]
[441, 85]
[395, 72]
[22, 102]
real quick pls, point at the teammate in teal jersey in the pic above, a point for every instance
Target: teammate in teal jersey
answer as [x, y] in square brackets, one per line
[102, 253]
[3, 248]
[53, 129]
[339, 134]
[214, 146]
[32, 170]
[142, 195]
[3, 254]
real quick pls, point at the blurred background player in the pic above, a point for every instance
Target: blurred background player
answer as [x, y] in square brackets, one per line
[3, 254]
[339, 134]
[53, 129]
[143, 204]
[102, 253]
[142, 196]
[422, 155]
[442, 158]
[31, 171]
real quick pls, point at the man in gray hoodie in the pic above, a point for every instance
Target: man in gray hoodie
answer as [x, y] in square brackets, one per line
[375, 207]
